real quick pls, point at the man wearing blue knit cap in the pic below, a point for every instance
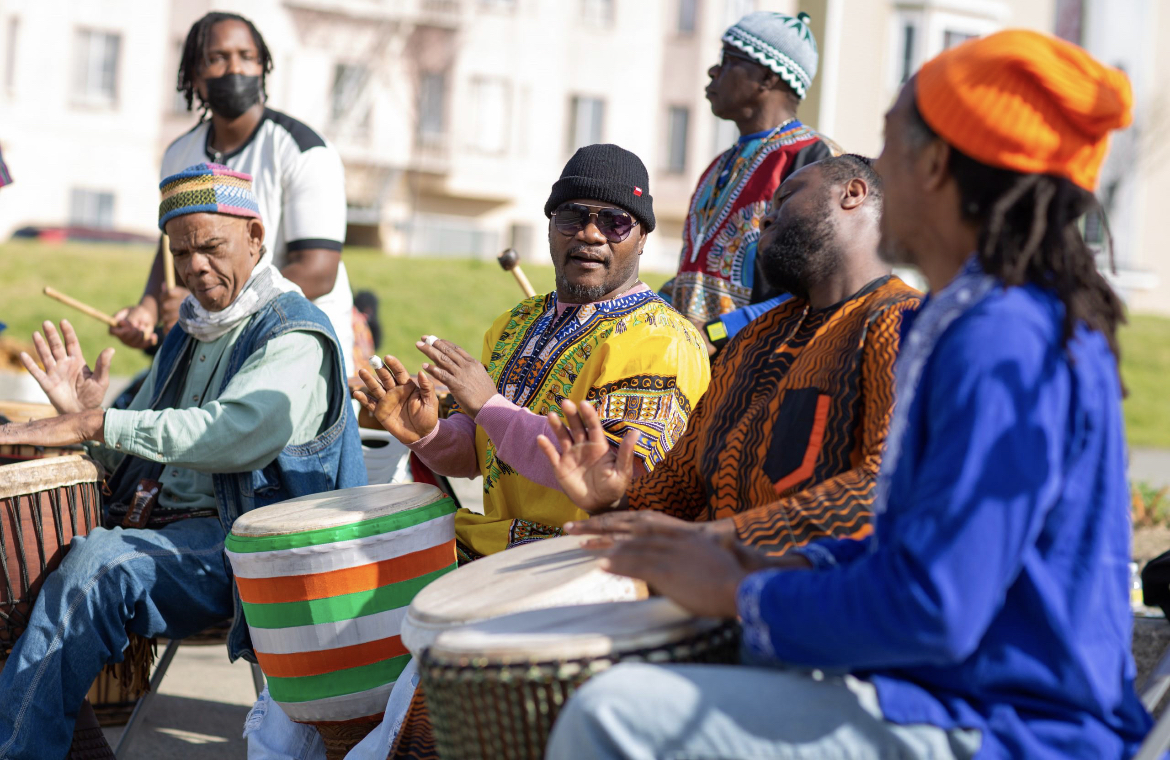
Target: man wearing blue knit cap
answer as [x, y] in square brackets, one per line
[245, 405]
[767, 66]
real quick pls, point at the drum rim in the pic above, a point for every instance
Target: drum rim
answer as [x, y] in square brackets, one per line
[34, 476]
[243, 522]
[664, 621]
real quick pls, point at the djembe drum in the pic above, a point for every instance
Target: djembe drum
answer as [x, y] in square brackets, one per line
[43, 505]
[495, 688]
[325, 581]
[553, 572]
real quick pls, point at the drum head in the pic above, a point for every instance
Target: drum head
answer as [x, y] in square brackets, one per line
[42, 474]
[334, 509]
[554, 572]
[587, 631]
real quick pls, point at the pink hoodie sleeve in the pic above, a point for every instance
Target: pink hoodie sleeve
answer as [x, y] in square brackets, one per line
[449, 449]
[513, 430]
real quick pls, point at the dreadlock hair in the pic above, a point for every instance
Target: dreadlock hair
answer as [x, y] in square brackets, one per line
[840, 169]
[195, 56]
[1028, 233]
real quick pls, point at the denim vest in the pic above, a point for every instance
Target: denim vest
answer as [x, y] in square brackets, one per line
[331, 461]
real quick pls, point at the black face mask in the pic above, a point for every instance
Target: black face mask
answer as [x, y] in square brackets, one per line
[232, 94]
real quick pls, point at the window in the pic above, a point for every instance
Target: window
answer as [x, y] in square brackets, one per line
[96, 73]
[585, 124]
[952, 38]
[10, 53]
[686, 16]
[432, 117]
[348, 82]
[491, 125]
[678, 123]
[597, 12]
[91, 208]
[906, 59]
[1070, 15]
[724, 135]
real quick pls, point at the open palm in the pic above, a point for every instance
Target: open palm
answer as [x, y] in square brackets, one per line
[405, 406]
[66, 378]
[588, 469]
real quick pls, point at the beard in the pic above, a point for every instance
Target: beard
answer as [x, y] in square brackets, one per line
[802, 253]
[582, 292]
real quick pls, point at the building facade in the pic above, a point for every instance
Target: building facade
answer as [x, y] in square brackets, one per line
[454, 117]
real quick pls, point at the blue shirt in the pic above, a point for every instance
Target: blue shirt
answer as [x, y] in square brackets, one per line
[993, 591]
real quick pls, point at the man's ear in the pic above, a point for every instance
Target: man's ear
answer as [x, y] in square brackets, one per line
[933, 164]
[855, 192]
[255, 237]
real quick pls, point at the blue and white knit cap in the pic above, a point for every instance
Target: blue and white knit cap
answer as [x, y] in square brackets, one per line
[783, 44]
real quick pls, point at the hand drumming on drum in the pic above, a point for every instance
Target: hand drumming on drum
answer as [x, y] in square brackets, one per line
[408, 406]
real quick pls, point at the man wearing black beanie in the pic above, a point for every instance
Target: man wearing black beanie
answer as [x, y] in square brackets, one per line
[602, 337]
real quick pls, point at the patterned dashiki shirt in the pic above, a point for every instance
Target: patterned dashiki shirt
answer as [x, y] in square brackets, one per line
[639, 362]
[717, 268]
[788, 439]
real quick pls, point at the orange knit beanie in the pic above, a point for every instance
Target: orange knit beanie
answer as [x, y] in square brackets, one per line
[1026, 101]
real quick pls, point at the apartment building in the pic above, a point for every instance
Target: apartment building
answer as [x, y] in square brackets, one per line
[454, 117]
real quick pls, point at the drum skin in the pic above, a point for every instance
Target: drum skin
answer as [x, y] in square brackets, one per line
[494, 689]
[43, 505]
[325, 582]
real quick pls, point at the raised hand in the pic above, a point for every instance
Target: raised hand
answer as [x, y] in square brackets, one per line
[463, 374]
[66, 378]
[588, 469]
[405, 406]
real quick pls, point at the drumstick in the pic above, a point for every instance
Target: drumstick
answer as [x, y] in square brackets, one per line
[510, 261]
[83, 308]
[168, 260]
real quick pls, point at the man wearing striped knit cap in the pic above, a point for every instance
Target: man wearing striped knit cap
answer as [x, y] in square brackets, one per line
[245, 405]
[767, 66]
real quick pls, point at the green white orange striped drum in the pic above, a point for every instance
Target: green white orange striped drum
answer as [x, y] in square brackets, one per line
[325, 582]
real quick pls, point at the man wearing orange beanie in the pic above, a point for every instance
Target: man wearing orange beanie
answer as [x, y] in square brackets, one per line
[987, 615]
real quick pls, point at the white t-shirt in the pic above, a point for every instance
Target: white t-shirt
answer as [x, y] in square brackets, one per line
[299, 183]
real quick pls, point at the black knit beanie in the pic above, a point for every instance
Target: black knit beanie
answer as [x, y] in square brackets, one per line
[606, 173]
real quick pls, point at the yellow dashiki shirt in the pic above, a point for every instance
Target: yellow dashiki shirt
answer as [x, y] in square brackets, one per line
[639, 362]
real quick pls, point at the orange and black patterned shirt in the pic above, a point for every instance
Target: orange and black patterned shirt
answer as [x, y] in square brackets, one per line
[788, 438]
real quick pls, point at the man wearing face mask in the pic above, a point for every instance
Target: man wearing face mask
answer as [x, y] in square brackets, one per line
[299, 178]
[785, 447]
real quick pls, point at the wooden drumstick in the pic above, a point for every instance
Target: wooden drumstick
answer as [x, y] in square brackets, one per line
[168, 261]
[82, 307]
[509, 260]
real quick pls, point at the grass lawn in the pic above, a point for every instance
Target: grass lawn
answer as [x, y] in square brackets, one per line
[453, 298]
[456, 299]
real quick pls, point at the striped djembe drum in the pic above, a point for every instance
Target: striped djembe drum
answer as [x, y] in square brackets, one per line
[325, 582]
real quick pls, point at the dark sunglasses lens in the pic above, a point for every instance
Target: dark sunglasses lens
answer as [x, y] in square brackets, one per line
[571, 218]
[614, 224]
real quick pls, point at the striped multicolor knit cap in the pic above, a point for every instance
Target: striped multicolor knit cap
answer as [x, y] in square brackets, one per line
[207, 189]
[783, 44]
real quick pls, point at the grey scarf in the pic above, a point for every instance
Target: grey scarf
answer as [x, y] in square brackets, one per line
[264, 284]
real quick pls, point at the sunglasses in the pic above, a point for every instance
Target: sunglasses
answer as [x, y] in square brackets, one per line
[615, 224]
[730, 56]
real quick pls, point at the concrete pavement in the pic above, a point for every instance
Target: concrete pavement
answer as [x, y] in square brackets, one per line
[199, 711]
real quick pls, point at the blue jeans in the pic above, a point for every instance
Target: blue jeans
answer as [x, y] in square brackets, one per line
[709, 712]
[171, 582]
